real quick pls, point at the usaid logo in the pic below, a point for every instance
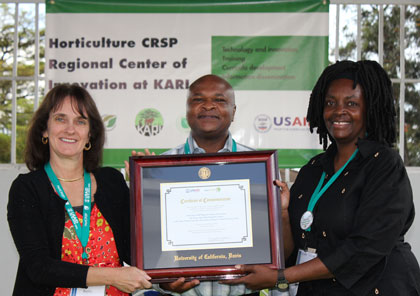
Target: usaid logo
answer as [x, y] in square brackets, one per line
[290, 122]
[149, 122]
[262, 123]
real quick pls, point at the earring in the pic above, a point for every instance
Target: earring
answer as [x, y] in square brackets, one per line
[44, 140]
[88, 146]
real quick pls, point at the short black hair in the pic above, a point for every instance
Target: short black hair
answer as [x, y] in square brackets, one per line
[213, 78]
[377, 92]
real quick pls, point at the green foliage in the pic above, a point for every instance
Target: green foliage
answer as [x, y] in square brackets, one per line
[25, 89]
[20, 143]
[4, 148]
[370, 25]
[412, 129]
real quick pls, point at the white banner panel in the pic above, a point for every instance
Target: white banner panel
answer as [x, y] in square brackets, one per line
[137, 62]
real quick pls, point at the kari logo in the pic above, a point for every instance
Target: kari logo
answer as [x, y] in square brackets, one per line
[149, 122]
[110, 121]
[262, 123]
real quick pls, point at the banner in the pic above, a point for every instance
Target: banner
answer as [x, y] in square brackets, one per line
[137, 59]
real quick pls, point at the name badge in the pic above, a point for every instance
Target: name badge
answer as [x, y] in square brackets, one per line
[306, 220]
[89, 291]
[305, 256]
[302, 257]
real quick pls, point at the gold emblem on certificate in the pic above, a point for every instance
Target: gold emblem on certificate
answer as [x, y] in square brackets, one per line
[306, 220]
[204, 173]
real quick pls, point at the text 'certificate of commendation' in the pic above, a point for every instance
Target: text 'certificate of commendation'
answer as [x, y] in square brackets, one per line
[206, 215]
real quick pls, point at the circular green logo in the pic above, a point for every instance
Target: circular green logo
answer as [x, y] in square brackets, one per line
[182, 124]
[149, 122]
[110, 121]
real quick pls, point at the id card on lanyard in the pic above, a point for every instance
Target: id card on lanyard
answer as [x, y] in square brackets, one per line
[82, 232]
[302, 257]
[89, 291]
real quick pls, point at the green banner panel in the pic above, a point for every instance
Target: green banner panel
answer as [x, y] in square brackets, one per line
[269, 62]
[186, 6]
[288, 158]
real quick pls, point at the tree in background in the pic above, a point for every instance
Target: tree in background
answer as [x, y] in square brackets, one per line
[25, 89]
[370, 25]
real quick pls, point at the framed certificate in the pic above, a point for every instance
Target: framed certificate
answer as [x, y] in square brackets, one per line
[199, 215]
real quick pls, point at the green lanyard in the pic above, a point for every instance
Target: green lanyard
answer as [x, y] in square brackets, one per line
[319, 191]
[187, 147]
[82, 233]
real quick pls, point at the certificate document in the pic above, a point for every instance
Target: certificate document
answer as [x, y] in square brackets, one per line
[199, 215]
[206, 215]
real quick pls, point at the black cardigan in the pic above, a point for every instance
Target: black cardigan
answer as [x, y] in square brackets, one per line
[36, 220]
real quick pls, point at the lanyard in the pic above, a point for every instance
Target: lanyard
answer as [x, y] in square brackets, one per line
[319, 190]
[81, 232]
[187, 147]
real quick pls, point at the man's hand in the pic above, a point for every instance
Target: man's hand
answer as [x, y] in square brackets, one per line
[136, 153]
[180, 285]
[257, 277]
